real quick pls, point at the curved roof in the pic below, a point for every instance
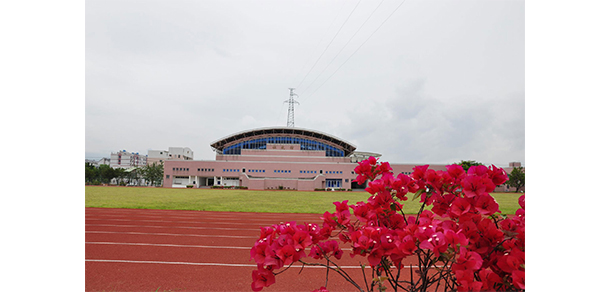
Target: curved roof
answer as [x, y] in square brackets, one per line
[222, 143]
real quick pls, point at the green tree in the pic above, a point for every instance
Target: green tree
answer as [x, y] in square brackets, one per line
[466, 164]
[516, 178]
[91, 172]
[153, 173]
[106, 173]
[119, 174]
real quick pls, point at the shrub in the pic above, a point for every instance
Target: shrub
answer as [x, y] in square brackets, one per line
[462, 244]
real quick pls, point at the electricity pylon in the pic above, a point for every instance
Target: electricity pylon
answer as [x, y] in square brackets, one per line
[291, 103]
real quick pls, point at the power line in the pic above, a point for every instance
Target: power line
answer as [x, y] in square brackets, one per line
[319, 42]
[353, 35]
[331, 41]
[357, 48]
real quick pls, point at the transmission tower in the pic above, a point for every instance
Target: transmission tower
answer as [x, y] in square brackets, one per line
[291, 103]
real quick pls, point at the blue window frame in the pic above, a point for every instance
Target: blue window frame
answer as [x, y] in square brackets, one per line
[306, 144]
[334, 183]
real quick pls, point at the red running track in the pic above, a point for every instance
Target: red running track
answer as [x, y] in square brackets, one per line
[166, 250]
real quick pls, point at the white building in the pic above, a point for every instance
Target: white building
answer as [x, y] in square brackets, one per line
[126, 159]
[174, 153]
[97, 163]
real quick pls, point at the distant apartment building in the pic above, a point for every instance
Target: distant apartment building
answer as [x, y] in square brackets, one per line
[174, 153]
[124, 159]
[99, 162]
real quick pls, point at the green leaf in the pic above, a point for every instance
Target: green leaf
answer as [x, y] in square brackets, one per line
[418, 193]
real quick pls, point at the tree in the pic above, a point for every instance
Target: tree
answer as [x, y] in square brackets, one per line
[91, 172]
[153, 173]
[466, 164]
[119, 174]
[106, 173]
[516, 178]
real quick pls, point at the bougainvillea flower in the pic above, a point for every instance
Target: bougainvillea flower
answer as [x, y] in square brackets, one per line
[522, 201]
[375, 256]
[419, 171]
[455, 171]
[482, 254]
[497, 175]
[341, 206]
[262, 278]
[459, 206]
[489, 279]
[322, 289]
[518, 279]
[286, 254]
[468, 260]
[301, 239]
[375, 187]
[510, 262]
[436, 243]
[474, 186]
[454, 238]
[329, 219]
[257, 253]
[486, 204]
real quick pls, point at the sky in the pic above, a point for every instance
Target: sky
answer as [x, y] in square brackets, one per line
[416, 81]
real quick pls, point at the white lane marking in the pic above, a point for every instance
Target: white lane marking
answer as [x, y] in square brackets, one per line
[170, 263]
[168, 245]
[187, 227]
[182, 222]
[237, 216]
[295, 266]
[172, 234]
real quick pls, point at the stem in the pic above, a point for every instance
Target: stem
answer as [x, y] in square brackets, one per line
[327, 270]
[366, 284]
[284, 270]
[338, 270]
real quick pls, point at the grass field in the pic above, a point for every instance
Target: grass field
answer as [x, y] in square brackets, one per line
[244, 200]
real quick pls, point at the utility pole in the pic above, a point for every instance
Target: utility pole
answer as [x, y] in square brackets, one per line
[291, 103]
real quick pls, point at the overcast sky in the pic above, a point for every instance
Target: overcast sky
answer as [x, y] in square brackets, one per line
[417, 81]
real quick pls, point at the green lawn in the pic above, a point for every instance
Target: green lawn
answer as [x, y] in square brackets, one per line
[243, 200]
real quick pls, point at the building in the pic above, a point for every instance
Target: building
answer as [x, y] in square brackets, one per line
[174, 153]
[276, 158]
[97, 163]
[126, 159]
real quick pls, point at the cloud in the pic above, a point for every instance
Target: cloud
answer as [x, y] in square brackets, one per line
[417, 128]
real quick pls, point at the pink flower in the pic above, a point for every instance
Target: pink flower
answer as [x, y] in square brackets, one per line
[486, 204]
[301, 239]
[475, 185]
[322, 289]
[518, 279]
[459, 206]
[455, 171]
[262, 278]
[286, 254]
[257, 253]
[454, 238]
[436, 243]
[522, 201]
[497, 175]
[468, 260]
[340, 207]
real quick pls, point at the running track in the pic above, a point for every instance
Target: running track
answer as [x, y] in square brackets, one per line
[163, 250]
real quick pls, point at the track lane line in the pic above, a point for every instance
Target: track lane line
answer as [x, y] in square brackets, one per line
[169, 227]
[171, 234]
[223, 264]
[167, 245]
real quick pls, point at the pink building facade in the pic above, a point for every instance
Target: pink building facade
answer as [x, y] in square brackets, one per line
[275, 158]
